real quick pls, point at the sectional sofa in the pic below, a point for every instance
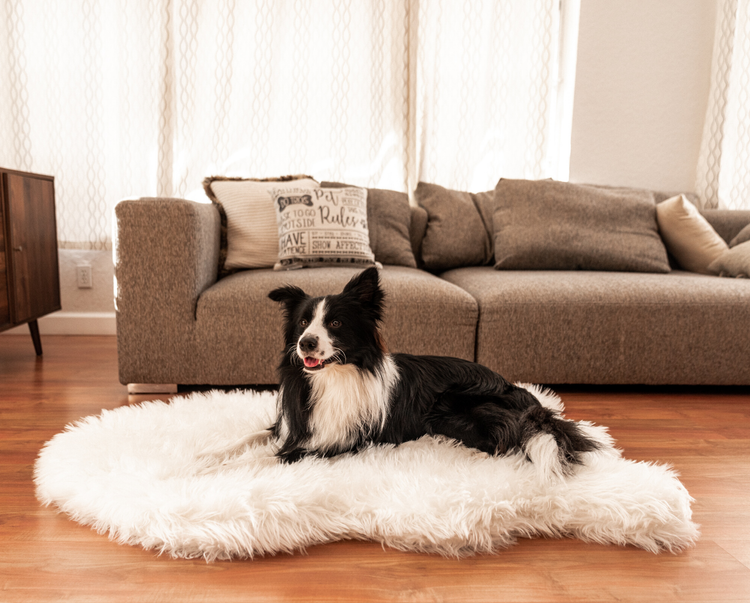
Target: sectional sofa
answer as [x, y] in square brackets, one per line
[543, 282]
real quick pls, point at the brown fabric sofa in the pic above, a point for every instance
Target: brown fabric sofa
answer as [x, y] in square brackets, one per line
[178, 323]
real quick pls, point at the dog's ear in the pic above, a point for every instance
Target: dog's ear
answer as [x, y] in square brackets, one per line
[290, 296]
[365, 288]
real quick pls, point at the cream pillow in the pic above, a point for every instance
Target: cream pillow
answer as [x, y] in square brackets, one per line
[252, 236]
[687, 234]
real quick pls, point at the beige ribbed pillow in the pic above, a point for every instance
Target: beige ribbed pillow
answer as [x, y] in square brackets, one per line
[250, 235]
[687, 234]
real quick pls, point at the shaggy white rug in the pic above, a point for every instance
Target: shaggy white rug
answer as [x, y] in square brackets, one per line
[155, 475]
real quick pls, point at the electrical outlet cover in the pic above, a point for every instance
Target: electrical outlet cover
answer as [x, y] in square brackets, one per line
[84, 276]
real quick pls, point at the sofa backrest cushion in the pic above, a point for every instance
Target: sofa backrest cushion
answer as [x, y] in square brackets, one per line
[459, 227]
[417, 228]
[551, 225]
[733, 225]
[743, 236]
[388, 220]
[734, 262]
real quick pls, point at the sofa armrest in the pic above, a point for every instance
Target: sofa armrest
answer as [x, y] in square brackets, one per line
[727, 222]
[166, 254]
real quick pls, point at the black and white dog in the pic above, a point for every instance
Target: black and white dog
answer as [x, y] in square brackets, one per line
[341, 390]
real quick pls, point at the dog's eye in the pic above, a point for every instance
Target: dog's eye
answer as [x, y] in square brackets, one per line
[335, 324]
[303, 323]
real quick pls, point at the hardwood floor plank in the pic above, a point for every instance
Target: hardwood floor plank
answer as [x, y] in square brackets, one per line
[739, 549]
[45, 556]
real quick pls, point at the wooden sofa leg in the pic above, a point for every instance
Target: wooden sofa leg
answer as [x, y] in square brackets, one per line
[152, 388]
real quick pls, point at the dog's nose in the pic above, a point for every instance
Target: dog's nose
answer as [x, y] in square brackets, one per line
[308, 343]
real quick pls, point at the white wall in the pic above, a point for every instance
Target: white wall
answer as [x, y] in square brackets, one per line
[641, 92]
[100, 298]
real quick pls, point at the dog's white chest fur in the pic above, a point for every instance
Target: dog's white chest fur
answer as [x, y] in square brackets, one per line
[347, 401]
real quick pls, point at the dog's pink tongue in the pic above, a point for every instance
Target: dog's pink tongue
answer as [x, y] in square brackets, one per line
[311, 362]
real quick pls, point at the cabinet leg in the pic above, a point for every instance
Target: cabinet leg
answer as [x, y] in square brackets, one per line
[34, 329]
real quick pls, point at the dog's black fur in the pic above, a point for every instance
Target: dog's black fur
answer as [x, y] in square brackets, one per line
[406, 396]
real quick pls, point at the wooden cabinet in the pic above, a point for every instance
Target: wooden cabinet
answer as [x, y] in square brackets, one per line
[29, 274]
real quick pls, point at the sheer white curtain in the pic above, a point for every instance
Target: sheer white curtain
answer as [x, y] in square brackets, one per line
[147, 97]
[723, 175]
[487, 74]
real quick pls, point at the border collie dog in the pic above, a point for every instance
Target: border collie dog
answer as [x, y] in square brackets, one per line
[341, 390]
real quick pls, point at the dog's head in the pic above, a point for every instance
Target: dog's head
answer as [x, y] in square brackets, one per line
[335, 329]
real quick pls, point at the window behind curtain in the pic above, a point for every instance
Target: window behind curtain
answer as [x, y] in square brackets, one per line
[723, 178]
[147, 97]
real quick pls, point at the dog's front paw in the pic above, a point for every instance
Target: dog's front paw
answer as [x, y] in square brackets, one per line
[291, 456]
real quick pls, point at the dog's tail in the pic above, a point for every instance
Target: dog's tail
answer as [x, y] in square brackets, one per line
[555, 445]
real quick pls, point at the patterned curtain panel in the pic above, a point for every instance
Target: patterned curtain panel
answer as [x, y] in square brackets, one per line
[723, 175]
[486, 89]
[147, 97]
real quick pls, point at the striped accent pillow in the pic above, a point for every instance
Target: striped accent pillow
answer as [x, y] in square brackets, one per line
[250, 235]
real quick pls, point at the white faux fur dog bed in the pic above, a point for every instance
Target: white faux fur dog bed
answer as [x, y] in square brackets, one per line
[154, 475]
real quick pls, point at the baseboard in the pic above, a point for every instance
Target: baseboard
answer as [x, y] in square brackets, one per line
[72, 323]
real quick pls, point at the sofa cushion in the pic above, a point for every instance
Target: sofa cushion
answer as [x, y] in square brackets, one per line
[249, 234]
[688, 235]
[459, 227]
[236, 314]
[322, 227]
[609, 327]
[416, 232]
[734, 262]
[742, 237]
[550, 225]
[389, 220]
[728, 223]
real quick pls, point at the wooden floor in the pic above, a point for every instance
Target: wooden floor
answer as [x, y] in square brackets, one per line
[45, 556]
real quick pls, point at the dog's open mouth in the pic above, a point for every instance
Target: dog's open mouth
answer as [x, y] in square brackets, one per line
[315, 364]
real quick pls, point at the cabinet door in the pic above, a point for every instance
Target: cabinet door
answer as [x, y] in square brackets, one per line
[32, 245]
[4, 301]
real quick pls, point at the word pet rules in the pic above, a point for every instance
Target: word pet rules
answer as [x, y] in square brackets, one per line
[323, 224]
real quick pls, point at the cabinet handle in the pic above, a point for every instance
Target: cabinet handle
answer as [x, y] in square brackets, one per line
[19, 248]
